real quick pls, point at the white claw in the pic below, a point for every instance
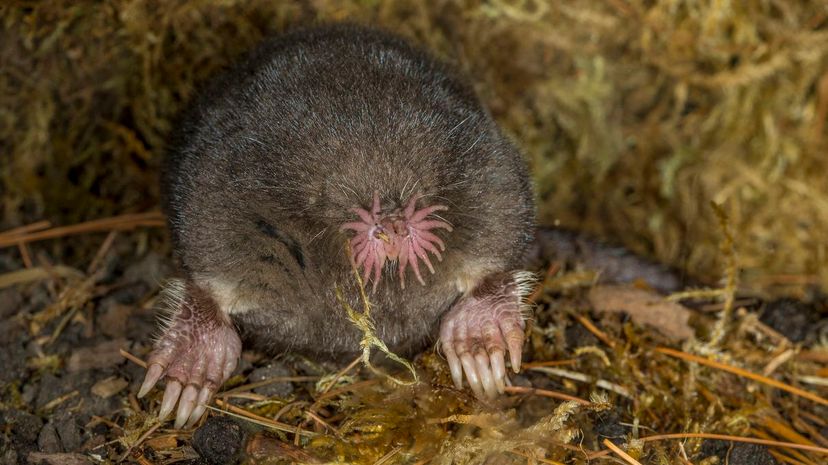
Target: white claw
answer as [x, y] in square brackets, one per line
[515, 356]
[484, 371]
[186, 404]
[456, 368]
[514, 341]
[201, 406]
[171, 394]
[469, 366]
[499, 369]
[153, 375]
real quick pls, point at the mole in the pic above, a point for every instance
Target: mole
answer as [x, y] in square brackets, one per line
[331, 149]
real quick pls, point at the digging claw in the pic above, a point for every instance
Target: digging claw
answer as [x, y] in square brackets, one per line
[196, 353]
[201, 406]
[476, 335]
[498, 370]
[186, 405]
[154, 373]
[171, 394]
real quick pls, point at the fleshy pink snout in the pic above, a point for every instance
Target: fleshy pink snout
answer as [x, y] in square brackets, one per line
[393, 231]
[403, 235]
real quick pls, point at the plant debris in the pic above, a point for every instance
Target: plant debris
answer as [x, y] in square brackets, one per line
[636, 118]
[624, 393]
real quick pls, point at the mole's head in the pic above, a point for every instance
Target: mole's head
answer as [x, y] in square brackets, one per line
[403, 234]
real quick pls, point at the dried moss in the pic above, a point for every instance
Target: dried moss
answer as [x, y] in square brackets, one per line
[634, 116]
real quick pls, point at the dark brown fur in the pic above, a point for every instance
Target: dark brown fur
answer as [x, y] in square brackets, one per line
[273, 155]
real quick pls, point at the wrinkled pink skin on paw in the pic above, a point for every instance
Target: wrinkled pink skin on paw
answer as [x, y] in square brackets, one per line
[479, 330]
[404, 235]
[196, 353]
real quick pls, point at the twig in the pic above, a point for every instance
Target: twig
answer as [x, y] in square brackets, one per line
[39, 226]
[346, 388]
[264, 421]
[743, 373]
[265, 382]
[575, 376]
[549, 363]
[594, 330]
[786, 431]
[814, 433]
[620, 452]
[119, 223]
[324, 423]
[341, 373]
[820, 356]
[545, 393]
[59, 400]
[140, 441]
[133, 358]
[101, 253]
[815, 380]
[25, 254]
[782, 458]
[799, 456]
[28, 275]
[364, 322]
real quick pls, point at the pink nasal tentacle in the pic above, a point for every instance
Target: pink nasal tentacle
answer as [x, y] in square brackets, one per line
[420, 215]
[356, 226]
[432, 239]
[431, 224]
[414, 263]
[365, 216]
[418, 249]
[411, 206]
[403, 258]
[375, 208]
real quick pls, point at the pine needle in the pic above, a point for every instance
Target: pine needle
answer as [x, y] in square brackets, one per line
[743, 373]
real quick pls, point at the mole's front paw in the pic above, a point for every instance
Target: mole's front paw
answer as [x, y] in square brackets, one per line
[196, 353]
[476, 334]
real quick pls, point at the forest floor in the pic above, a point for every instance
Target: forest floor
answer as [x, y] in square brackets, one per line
[608, 370]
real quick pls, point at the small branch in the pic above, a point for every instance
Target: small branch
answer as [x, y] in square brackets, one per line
[594, 330]
[546, 393]
[133, 358]
[620, 453]
[115, 223]
[264, 421]
[39, 226]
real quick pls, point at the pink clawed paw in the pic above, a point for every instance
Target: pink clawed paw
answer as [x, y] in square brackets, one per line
[195, 358]
[404, 235]
[476, 336]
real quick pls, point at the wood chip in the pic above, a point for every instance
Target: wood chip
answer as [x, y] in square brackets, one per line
[108, 387]
[103, 355]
